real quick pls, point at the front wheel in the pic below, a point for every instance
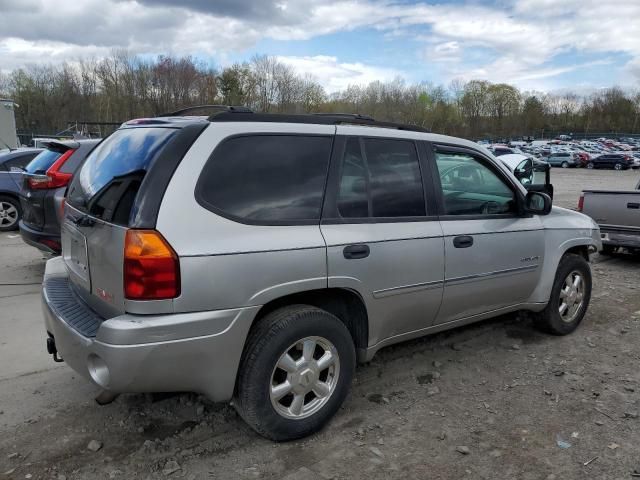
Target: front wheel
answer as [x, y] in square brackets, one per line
[565, 165]
[590, 165]
[618, 166]
[295, 373]
[570, 297]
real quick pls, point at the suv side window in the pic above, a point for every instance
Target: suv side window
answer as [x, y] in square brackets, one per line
[470, 187]
[267, 179]
[380, 178]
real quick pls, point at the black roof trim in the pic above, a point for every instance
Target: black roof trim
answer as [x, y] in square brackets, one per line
[321, 119]
[185, 110]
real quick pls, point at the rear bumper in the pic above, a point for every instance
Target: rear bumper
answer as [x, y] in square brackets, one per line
[196, 352]
[620, 238]
[45, 241]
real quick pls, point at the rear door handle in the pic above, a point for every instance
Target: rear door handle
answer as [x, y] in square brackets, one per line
[353, 252]
[633, 205]
[463, 241]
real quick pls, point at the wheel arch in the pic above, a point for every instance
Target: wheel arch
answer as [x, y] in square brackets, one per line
[347, 305]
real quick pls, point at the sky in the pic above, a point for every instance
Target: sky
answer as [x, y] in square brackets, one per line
[543, 45]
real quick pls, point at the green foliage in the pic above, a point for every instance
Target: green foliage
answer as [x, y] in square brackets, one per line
[124, 86]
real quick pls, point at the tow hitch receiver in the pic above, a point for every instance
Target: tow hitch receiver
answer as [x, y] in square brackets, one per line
[51, 348]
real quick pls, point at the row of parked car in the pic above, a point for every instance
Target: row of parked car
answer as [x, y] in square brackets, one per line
[601, 153]
[33, 182]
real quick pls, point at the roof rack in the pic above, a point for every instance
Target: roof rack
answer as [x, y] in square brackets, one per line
[225, 108]
[312, 118]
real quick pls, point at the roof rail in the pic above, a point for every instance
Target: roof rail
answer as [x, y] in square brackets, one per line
[313, 118]
[225, 108]
[354, 116]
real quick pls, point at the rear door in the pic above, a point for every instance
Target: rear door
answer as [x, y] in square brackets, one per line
[493, 254]
[383, 240]
[100, 203]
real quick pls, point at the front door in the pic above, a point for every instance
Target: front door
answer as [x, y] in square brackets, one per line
[493, 254]
[381, 240]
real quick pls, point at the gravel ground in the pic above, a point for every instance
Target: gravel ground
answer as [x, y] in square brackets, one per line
[495, 400]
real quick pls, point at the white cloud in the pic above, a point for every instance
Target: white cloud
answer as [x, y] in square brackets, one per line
[521, 37]
[334, 75]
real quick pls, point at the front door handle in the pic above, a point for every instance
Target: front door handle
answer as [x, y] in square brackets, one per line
[353, 252]
[463, 241]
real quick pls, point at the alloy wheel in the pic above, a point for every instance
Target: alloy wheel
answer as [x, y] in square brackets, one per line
[571, 297]
[304, 378]
[8, 214]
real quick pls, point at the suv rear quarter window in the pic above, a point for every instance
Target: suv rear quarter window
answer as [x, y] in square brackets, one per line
[266, 178]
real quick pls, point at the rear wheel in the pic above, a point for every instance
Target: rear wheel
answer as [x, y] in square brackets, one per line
[618, 166]
[570, 297]
[590, 165]
[296, 371]
[10, 213]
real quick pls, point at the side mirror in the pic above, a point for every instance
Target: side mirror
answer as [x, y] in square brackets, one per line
[537, 203]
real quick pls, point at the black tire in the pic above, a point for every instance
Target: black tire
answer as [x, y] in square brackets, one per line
[565, 165]
[270, 338]
[13, 225]
[591, 165]
[618, 166]
[549, 320]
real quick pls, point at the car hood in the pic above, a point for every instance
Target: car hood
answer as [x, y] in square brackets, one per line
[563, 218]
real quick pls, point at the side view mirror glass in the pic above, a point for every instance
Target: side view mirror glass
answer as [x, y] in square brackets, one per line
[537, 203]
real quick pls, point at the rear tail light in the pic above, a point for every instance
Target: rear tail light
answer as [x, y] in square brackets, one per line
[581, 202]
[54, 178]
[151, 267]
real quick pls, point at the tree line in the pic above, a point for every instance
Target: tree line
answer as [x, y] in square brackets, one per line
[125, 86]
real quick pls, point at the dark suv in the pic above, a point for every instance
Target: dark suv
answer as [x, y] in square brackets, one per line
[617, 161]
[44, 185]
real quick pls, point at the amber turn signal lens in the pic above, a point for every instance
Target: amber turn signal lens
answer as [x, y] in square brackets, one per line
[151, 267]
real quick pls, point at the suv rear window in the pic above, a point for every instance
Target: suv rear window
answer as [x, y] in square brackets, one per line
[268, 179]
[107, 183]
[43, 161]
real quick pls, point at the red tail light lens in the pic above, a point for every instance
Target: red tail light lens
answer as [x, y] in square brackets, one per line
[581, 202]
[54, 178]
[151, 267]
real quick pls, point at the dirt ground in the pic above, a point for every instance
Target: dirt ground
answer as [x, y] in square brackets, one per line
[495, 400]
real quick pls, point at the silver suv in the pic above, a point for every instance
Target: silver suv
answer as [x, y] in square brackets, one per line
[256, 257]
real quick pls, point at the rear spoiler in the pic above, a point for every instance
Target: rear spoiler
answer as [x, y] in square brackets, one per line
[61, 145]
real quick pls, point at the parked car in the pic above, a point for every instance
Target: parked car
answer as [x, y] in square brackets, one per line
[617, 161]
[529, 171]
[43, 190]
[11, 164]
[258, 256]
[563, 159]
[617, 213]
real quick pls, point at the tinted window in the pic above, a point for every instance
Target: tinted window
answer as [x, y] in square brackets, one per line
[383, 180]
[267, 178]
[43, 161]
[470, 187]
[19, 161]
[109, 179]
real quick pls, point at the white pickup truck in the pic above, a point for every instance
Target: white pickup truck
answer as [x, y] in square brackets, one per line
[618, 214]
